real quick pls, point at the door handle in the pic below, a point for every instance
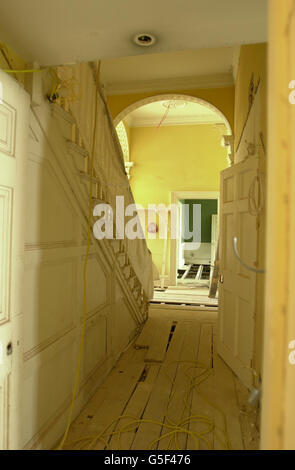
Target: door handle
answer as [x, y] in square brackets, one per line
[247, 266]
[221, 278]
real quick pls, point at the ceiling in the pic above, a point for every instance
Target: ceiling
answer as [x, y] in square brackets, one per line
[212, 66]
[67, 31]
[155, 113]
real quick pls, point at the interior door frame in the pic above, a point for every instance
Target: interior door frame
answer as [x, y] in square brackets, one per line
[174, 243]
[278, 378]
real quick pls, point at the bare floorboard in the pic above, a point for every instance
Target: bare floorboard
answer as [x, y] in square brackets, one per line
[157, 348]
[157, 405]
[200, 407]
[178, 403]
[171, 376]
[136, 407]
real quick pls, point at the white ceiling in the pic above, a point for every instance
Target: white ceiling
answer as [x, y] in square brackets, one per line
[67, 31]
[155, 113]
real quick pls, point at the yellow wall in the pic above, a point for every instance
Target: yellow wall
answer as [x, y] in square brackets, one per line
[174, 158]
[222, 98]
[252, 61]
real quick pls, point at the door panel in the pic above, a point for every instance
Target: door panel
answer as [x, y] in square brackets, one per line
[227, 227]
[238, 284]
[228, 320]
[228, 189]
[14, 109]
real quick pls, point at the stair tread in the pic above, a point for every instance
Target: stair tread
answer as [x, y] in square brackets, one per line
[62, 113]
[77, 148]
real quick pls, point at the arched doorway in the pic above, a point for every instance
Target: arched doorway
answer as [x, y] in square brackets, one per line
[171, 96]
[206, 113]
[119, 119]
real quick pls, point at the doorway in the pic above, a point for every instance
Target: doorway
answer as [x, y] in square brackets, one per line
[191, 264]
[178, 145]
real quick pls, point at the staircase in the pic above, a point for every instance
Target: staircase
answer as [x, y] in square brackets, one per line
[115, 248]
[57, 195]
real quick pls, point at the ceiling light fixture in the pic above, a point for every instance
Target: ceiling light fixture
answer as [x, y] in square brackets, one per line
[144, 39]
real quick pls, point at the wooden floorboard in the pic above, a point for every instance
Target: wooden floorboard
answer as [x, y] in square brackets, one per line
[159, 341]
[146, 335]
[185, 295]
[183, 312]
[114, 405]
[136, 407]
[226, 401]
[109, 401]
[177, 410]
[204, 393]
[158, 402]
[150, 382]
[80, 424]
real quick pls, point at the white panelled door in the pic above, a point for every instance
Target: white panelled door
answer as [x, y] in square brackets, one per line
[237, 284]
[14, 113]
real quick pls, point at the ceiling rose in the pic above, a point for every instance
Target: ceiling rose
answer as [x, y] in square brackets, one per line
[174, 104]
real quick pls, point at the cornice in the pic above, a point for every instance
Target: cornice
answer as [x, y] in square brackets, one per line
[221, 80]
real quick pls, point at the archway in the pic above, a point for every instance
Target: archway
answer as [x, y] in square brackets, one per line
[170, 96]
[193, 191]
[228, 141]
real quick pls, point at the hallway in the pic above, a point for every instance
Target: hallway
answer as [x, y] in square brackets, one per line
[170, 375]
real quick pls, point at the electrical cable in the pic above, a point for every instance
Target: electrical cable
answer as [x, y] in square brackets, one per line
[23, 71]
[164, 116]
[82, 336]
[172, 429]
[57, 83]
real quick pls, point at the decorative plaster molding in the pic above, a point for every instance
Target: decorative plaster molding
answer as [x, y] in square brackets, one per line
[220, 80]
[50, 244]
[48, 342]
[228, 142]
[128, 166]
[123, 139]
[174, 121]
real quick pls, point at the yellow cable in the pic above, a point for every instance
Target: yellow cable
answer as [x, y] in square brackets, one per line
[172, 429]
[23, 71]
[56, 83]
[82, 337]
